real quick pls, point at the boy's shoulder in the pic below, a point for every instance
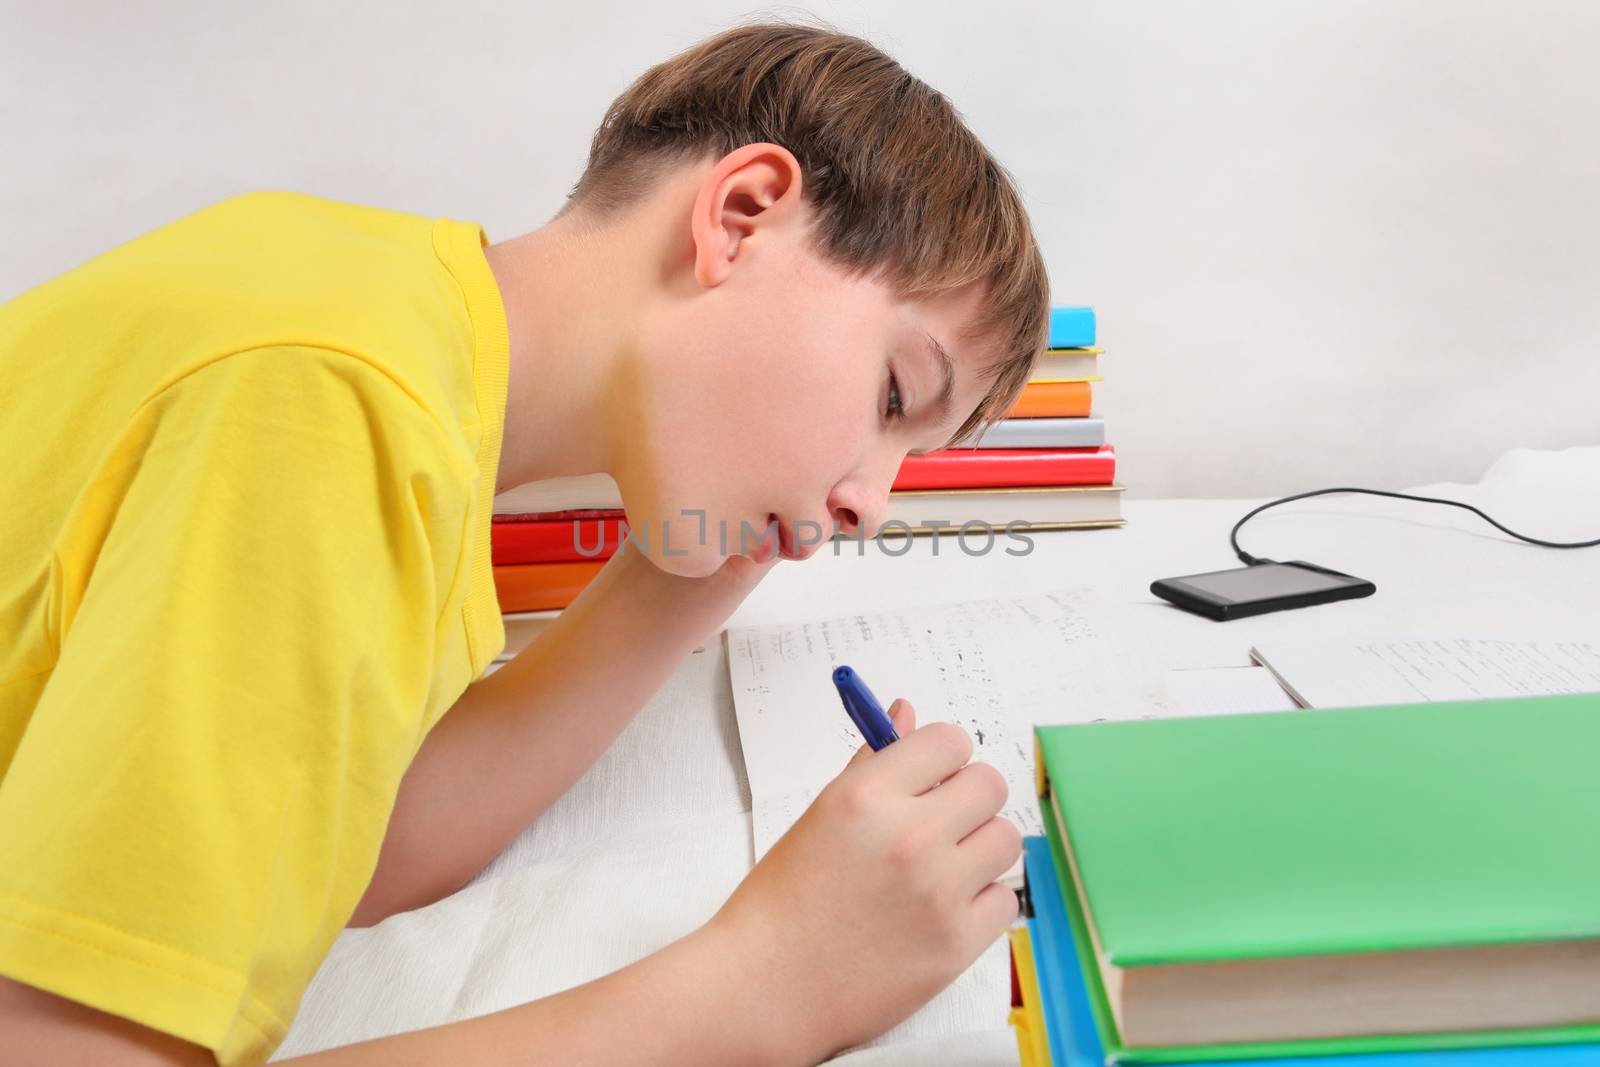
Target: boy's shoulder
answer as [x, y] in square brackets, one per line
[284, 214]
[282, 268]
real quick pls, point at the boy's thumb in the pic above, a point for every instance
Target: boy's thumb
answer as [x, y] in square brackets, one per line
[903, 715]
[904, 719]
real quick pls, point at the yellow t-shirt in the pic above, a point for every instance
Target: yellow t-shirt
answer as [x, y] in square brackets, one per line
[247, 463]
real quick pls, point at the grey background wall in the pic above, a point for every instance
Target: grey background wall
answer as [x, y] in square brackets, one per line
[1330, 243]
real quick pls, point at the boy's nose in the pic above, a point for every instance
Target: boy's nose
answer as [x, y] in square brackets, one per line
[857, 509]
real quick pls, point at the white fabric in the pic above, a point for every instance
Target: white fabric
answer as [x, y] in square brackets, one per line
[651, 841]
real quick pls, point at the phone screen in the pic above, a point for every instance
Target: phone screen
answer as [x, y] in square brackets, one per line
[1264, 581]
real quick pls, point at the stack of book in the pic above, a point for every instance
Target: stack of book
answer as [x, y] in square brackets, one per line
[1411, 885]
[549, 539]
[1046, 464]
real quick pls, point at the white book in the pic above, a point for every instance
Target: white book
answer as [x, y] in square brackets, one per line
[1088, 431]
[1058, 506]
[1052, 507]
[584, 492]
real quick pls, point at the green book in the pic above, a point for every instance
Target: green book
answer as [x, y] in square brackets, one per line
[1348, 880]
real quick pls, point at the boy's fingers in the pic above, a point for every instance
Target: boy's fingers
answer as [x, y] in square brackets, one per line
[925, 758]
[991, 850]
[904, 718]
[964, 801]
[993, 909]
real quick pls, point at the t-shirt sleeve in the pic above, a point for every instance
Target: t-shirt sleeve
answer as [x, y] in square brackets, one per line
[250, 595]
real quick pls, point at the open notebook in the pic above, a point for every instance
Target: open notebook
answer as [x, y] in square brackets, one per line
[995, 667]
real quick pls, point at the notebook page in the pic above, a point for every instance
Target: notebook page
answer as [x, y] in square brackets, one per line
[1368, 673]
[995, 667]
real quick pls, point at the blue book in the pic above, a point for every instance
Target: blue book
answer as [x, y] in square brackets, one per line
[1074, 1041]
[1071, 328]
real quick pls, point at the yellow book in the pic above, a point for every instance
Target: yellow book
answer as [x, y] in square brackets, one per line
[1067, 363]
[1033, 1045]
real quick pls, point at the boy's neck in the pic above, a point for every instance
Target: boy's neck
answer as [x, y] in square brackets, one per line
[567, 291]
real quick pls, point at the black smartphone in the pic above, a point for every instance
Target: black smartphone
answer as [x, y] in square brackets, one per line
[1260, 588]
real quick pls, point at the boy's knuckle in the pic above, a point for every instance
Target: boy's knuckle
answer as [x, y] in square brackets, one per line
[852, 799]
[994, 787]
[905, 853]
[1012, 836]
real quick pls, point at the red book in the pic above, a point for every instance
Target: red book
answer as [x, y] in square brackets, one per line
[560, 537]
[995, 468]
[578, 513]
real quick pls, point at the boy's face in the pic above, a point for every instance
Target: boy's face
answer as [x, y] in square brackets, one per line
[774, 394]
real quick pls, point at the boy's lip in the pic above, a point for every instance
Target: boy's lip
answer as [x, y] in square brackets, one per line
[765, 550]
[785, 546]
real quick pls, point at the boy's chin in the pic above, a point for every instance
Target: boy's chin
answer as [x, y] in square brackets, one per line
[696, 562]
[693, 545]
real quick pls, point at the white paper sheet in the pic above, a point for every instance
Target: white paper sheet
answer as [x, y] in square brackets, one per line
[1227, 690]
[995, 667]
[1367, 673]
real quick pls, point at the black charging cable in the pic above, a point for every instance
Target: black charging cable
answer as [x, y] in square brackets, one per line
[1233, 537]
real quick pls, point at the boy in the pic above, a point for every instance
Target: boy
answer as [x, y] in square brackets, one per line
[250, 459]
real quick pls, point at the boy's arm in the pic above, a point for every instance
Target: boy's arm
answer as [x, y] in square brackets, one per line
[518, 739]
[686, 1005]
[877, 898]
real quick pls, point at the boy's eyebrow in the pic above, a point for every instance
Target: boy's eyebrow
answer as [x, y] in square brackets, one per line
[947, 371]
[947, 386]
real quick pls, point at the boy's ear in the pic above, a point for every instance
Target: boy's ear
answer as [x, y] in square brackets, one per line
[749, 189]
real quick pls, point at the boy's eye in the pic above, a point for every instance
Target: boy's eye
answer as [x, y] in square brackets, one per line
[895, 409]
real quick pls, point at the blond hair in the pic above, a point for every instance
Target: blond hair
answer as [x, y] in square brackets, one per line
[897, 182]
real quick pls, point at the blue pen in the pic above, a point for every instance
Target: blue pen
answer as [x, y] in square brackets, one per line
[864, 709]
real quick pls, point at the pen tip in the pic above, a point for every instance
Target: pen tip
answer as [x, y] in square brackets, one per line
[842, 675]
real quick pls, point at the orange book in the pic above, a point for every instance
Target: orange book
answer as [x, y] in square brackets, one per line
[542, 586]
[1052, 400]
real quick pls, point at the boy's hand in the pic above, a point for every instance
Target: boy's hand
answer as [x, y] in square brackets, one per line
[880, 895]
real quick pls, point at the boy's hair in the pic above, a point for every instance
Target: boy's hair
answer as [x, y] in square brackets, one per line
[897, 182]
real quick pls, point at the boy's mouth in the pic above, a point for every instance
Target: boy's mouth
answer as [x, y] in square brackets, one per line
[777, 539]
[786, 541]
